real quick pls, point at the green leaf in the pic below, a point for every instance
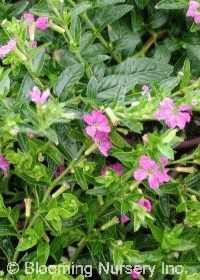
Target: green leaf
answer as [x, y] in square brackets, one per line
[67, 144]
[117, 140]
[43, 250]
[23, 94]
[169, 136]
[80, 8]
[157, 232]
[105, 16]
[169, 84]
[18, 8]
[80, 178]
[38, 62]
[141, 3]
[75, 29]
[133, 125]
[7, 230]
[92, 88]
[98, 191]
[99, 3]
[166, 150]
[131, 72]
[22, 139]
[192, 218]
[15, 212]
[53, 153]
[39, 228]
[86, 41]
[172, 4]
[185, 78]
[68, 79]
[7, 248]
[39, 172]
[29, 240]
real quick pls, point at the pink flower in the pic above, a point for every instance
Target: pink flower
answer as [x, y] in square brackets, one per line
[98, 129]
[4, 50]
[173, 116]
[59, 170]
[124, 219]
[29, 18]
[30, 135]
[193, 11]
[145, 203]
[102, 142]
[116, 167]
[145, 88]
[38, 97]
[149, 169]
[97, 122]
[40, 23]
[135, 274]
[145, 138]
[4, 165]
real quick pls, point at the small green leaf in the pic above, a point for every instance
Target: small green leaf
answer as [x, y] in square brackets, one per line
[80, 178]
[68, 79]
[172, 4]
[29, 240]
[92, 88]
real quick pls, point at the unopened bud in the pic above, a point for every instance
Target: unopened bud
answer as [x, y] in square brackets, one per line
[115, 121]
[110, 223]
[91, 149]
[56, 27]
[28, 202]
[63, 188]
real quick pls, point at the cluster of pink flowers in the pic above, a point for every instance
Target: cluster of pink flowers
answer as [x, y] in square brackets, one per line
[37, 96]
[193, 11]
[145, 203]
[40, 23]
[172, 115]
[116, 167]
[4, 50]
[98, 129]
[4, 165]
[150, 169]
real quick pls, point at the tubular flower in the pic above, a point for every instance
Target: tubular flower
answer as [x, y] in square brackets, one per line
[149, 169]
[173, 116]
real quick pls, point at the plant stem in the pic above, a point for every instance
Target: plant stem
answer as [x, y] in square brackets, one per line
[152, 40]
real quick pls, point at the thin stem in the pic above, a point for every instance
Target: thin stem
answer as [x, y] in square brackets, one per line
[151, 41]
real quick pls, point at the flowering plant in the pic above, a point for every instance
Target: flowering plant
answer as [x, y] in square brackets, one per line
[99, 139]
